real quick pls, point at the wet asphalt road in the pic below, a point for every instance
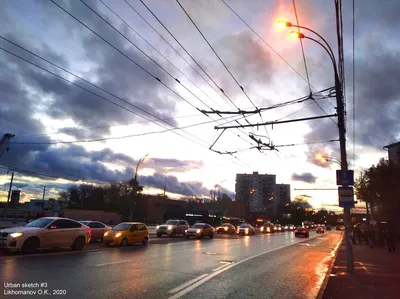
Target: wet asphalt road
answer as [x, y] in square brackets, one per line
[261, 266]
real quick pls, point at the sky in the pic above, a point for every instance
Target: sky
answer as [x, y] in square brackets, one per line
[125, 91]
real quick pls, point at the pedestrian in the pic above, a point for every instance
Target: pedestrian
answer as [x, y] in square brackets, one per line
[358, 234]
[390, 237]
[371, 236]
[28, 218]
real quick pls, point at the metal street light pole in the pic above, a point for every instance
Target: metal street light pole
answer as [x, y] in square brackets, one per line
[165, 183]
[136, 184]
[341, 126]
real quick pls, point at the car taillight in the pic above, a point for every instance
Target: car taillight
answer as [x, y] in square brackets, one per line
[303, 231]
[89, 230]
[296, 231]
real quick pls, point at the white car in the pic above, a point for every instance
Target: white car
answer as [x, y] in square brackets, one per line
[46, 232]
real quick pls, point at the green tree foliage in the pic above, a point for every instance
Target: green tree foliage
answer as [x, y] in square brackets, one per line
[379, 186]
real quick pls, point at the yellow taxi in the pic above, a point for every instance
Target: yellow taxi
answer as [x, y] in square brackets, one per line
[127, 233]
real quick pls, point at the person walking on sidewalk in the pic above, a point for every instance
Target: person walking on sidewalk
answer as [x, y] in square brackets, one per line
[390, 235]
[371, 234]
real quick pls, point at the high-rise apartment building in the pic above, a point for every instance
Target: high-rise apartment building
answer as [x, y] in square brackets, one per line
[282, 198]
[257, 191]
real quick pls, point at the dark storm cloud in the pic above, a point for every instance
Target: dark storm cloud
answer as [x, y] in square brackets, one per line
[174, 165]
[111, 70]
[377, 73]
[174, 185]
[306, 177]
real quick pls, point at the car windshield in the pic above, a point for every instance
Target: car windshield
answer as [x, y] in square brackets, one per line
[198, 226]
[41, 222]
[226, 224]
[85, 222]
[172, 222]
[122, 226]
[245, 225]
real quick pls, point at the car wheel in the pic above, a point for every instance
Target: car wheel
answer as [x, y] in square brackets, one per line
[159, 235]
[172, 234]
[187, 237]
[145, 241]
[211, 236]
[79, 243]
[124, 242]
[30, 245]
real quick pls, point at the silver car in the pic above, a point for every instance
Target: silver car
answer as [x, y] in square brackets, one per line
[172, 228]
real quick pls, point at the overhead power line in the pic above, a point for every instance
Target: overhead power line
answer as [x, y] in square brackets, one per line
[305, 61]
[122, 137]
[98, 127]
[105, 99]
[141, 67]
[32, 173]
[150, 58]
[159, 53]
[162, 68]
[187, 52]
[302, 47]
[220, 59]
[264, 41]
[176, 51]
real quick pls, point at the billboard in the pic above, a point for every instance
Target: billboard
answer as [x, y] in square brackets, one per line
[358, 210]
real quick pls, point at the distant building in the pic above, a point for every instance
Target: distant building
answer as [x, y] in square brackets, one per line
[394, 153]
[282, 198]
[256, 191]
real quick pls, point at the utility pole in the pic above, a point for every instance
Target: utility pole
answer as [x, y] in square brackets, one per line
[4, 141]
[44, 192]
[165, 183]
[9, 192]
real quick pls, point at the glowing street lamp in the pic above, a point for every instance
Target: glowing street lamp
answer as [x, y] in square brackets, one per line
[296, 35]
[324, 159]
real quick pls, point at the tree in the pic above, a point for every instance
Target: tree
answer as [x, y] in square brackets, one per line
[379, 187]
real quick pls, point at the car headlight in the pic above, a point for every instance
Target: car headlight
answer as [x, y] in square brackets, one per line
[198, 231]
[16, 235]
[186, 231]
[169, 227]
[279, 228]
[268, 229]
[118, 235]
[246, 230]
[262, 228]
[157, 227]
[106, 233]
[225, 228]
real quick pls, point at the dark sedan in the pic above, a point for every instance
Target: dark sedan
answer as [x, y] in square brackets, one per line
[301, 231]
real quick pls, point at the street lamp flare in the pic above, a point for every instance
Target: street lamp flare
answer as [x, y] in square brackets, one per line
[282, 24]
[295, 35]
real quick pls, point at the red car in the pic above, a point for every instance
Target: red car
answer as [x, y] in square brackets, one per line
[301, 231]
[320, 230]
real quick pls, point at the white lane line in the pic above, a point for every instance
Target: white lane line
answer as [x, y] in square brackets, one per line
[99, 265]
[208, 277]
[177, 289]
[220, 267]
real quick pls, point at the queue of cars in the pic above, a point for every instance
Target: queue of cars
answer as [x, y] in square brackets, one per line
[58, 232]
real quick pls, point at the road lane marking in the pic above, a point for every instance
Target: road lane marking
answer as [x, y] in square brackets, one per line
[220, 267]
[216, 273]
[99, 265]
[188, 283]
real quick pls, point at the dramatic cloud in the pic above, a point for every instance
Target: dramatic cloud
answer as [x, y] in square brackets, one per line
[174, 185]
[173, 165]
[306, 177]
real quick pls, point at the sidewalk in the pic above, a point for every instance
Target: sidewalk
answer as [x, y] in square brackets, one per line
[376, 274]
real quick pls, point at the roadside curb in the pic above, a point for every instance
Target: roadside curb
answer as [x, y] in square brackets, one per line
[324, 284]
